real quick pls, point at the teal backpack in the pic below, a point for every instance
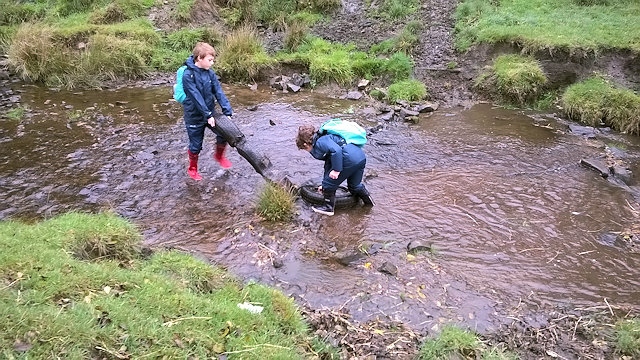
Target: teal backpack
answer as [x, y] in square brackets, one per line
[178, 90]
[350, 131]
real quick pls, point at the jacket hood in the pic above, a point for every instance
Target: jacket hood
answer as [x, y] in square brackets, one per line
[190, 62]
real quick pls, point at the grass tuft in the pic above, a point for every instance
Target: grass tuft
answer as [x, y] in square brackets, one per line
[398, 9]
[627, 334]
[404, 42]
[100, 237]
[15, 13]
[275, 203]
[597, 102]
[407, 90]
[514, 78]
[16, 113]
[399, 66]
[242, 56]
[452, 342]
[294, 35]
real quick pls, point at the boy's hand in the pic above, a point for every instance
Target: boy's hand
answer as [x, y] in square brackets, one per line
[334, 174]
[212, 121]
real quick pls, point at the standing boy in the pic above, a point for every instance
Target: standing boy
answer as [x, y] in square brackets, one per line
[203, 90]
[342, 162]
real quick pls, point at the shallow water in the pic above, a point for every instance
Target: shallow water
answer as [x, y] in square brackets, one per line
[498, 193]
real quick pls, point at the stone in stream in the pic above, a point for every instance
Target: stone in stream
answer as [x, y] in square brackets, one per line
[388, 268]
[417, 246]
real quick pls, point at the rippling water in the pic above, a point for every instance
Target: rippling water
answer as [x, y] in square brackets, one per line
[498, 193]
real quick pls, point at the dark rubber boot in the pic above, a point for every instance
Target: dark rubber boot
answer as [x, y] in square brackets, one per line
[329, 204]
[193, 166]
[219, 156]
[365, 196]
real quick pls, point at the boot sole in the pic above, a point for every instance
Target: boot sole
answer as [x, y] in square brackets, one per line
[322, 211]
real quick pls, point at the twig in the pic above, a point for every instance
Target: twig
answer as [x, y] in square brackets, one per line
[471, 217]
[610, 310]
[173, 322]
[573, 337]
[521, 251]
[11, 284]
[113, 353]
[254, 348]
[553, 258]
[629, 205]
[586, 252]
[264, 246]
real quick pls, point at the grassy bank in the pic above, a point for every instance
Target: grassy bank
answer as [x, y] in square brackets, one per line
[77, 286]
[84, 44]
[574, 25]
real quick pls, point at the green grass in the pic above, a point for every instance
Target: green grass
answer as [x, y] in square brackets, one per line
[596, 102]
[398, 9]
[627, 335]
[275, 203]
[450, 342]
[16, 113]
[407, 90]
[275, 13]
[242, 56]
[171, 305]
[541, 24]
[403, 42]
[513, 78]
[343, 64]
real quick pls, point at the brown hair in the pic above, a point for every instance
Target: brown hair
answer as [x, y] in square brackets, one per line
[305, 136]
[203, 49]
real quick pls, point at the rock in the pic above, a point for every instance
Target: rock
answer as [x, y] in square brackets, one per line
[363, 84]
[597, 165]
[293, 87]
[347, 257]
[388, 116]
[418, 246]
[298, 80]
[388, 268]
[277, 263]
[354, 95]
[586, 131]
[252, 108]
[426, 107]
[622, 173]
[406, 113]
[412, 119]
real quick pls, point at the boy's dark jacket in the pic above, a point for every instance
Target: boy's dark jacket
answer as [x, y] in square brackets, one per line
[203, 90]
[336, 153]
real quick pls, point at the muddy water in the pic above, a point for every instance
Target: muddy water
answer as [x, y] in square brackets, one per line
[499, 195]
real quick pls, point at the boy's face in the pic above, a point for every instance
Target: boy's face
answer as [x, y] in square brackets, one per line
[307, 147]
[205, 62]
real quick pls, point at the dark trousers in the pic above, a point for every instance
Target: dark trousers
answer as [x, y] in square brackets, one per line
[352, 174]
[195, 131]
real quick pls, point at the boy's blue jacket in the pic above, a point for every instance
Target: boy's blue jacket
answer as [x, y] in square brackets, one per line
[336, 153]
[203, 90]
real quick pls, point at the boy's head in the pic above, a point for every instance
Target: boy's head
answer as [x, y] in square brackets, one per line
[304, 140]
[204, 55]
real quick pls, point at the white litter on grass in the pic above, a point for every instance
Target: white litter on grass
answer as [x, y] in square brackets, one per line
[254, 309]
